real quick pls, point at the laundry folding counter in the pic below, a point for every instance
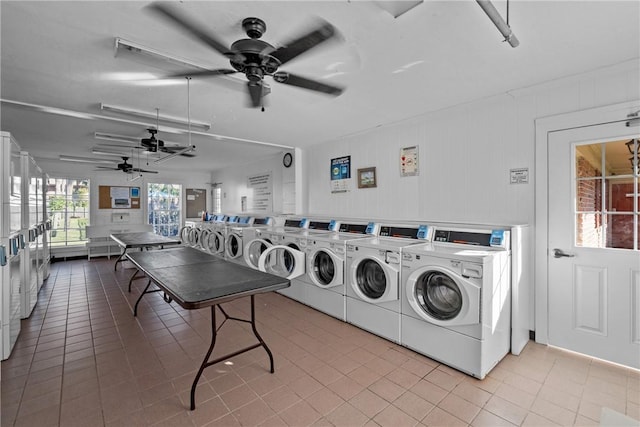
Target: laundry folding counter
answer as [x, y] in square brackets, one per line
[142, 240]
[195, 279]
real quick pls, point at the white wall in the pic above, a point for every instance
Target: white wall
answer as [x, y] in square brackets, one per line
[234, 184]
[465, 152]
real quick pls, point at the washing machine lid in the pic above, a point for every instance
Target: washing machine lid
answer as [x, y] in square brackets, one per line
[253, 250]
[283, 261]
[442, 297]
[325, 268]
[375, 279]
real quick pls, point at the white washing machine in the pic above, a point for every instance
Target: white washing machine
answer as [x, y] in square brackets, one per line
[287, 256]
[266, 237]
[325, 275]
[456, 299]
[373, 278]
[241, 234]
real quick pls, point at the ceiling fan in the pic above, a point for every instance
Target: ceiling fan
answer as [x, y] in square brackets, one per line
[154, 145]
[253, 57]
[126, 167]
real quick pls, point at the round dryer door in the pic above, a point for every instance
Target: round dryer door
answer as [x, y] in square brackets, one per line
[214, 243]
[283, 261]
[233, 246]
[194, 236]
[184, 233]
[325, 268]
[374, 280]
[442, 297]
[253, 250]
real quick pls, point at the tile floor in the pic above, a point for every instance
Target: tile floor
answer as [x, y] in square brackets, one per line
[82, 359]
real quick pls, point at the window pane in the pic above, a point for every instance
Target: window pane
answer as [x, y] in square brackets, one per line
[589, 195]
[589, 230]
[164, 208]
[620, 195]
[68, 208]
[618, 156]
[588, 160]
[620, 231]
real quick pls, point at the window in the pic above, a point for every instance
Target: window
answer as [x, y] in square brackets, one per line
[607, 195]
[68, 207]
[217, 200]
[165, 208]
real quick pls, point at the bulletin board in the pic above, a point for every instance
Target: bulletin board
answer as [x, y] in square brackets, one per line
[118, 197]
[196, 202]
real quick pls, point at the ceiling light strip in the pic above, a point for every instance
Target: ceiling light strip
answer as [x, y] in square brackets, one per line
[497, 20]
[169, 129]
[147, 115]
[85, 160]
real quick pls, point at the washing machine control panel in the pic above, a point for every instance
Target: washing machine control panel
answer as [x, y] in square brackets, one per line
[421, 232]
[370, 228]
[493, 238]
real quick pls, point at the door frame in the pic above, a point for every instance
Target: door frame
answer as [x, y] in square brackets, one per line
[543, 127]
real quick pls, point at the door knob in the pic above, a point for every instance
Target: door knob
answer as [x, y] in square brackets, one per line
[559, 253]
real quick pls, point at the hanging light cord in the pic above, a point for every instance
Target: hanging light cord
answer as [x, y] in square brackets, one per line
[189, 106]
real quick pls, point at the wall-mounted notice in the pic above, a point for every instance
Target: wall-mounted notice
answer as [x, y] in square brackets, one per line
[519, 176]
[340, 174]
[409, 161]
[120, 198]
[261, 187]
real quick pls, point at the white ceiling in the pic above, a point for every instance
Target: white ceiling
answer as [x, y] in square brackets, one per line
[438, 54]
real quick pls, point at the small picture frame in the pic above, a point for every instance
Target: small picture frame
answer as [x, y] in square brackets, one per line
[367, 178]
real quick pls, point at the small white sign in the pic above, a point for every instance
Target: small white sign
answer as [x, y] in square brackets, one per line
[519, 176]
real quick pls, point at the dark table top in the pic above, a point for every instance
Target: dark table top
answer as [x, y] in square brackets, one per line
[138, 240]
[195, 279]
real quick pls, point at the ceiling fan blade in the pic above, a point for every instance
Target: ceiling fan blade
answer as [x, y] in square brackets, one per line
[141, 170]
[255, 93]
[303, 82]
[322, 33]
[204, 73]
[106, 168]
[171, 150]
[194, 29]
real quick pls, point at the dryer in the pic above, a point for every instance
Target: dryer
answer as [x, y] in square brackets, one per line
[325, 275]
[456, 299]
[373, 278]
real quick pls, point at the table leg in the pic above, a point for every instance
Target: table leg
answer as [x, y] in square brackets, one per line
[134, 278]
[135, 308]
[214, 332]
[115, 266]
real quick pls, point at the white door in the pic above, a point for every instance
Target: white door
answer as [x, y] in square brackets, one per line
[593, 245]
[283, 261]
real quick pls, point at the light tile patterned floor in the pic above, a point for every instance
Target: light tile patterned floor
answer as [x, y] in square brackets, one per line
[82, 359]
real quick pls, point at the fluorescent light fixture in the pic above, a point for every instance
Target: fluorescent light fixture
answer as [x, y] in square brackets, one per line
[153, 115]
[118, 138]
[101, 152]
[497, 20]
[174, 154]
[138, 48]
[86, 160]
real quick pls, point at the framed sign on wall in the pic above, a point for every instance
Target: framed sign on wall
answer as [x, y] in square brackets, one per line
[367, 178]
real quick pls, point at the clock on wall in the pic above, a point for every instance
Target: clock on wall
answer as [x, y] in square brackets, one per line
[287, 160]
